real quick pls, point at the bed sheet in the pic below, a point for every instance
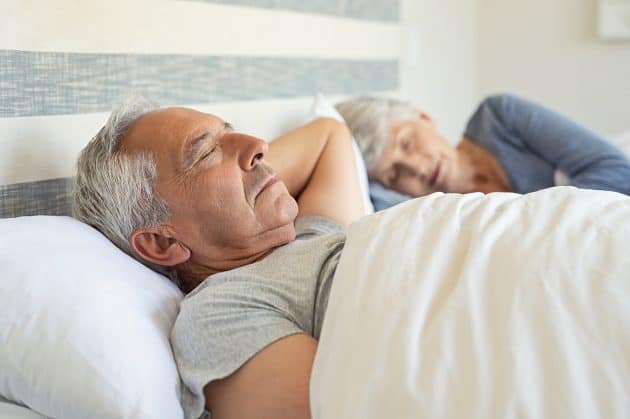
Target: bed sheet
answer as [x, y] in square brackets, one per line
[481, 306]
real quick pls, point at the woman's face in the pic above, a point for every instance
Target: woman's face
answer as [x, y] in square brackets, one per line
[416, 160]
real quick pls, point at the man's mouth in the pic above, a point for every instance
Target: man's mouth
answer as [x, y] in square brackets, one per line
[270, 181]
[435, 174]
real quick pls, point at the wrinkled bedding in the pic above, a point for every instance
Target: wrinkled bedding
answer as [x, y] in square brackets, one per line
[9, 410]
[481, 306]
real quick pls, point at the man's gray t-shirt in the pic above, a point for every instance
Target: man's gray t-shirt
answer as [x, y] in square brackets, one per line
[233, 315]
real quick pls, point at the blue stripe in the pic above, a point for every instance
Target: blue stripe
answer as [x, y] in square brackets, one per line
[385, 10]
[54, 83]
[45, 197]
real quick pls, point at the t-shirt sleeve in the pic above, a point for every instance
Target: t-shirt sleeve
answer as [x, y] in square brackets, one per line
[217, 331]
[311, 225]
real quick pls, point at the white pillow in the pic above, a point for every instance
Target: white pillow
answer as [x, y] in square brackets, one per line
[84, 328]
[321, 108]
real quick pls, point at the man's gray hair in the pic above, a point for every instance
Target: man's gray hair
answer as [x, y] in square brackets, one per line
[113, 191]
[369, 119]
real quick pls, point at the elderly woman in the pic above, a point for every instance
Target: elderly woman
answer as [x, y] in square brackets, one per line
[510, 144]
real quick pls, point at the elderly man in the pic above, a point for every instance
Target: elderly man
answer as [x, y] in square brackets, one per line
[254, 233]
[253, 230]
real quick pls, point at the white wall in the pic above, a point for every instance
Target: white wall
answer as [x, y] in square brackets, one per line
[548, 50]
[457, 51]
[438, 71]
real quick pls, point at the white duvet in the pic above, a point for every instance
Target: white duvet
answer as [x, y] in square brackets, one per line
[481, 306]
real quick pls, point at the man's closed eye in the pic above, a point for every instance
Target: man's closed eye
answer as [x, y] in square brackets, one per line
[208, 153]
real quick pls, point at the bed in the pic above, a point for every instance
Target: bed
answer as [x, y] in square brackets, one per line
[431, 337]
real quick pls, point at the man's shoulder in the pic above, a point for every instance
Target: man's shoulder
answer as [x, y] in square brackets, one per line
[315, 225]
[316, 238]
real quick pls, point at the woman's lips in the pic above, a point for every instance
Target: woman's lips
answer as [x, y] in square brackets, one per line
[435, 175]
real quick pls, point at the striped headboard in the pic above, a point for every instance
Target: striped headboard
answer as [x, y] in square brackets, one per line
[257, 63]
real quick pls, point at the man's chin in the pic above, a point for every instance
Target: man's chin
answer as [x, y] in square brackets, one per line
[279, 235]
[286, 209]
[279, 216]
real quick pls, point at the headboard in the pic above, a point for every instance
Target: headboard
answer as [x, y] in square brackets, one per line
[256, 63]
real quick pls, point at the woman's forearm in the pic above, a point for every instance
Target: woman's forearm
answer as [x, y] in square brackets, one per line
[317, 164]
[294, 155]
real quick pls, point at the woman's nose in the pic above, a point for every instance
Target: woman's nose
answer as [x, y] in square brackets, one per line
[416, 164]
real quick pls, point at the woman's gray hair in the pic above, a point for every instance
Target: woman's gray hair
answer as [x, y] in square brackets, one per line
[113, 191]
[369, 119]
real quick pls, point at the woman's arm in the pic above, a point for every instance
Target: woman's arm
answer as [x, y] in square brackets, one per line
[316, 162]
[588, 160]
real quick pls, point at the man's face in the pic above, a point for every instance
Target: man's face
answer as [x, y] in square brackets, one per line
[416, 160]
[226, 205]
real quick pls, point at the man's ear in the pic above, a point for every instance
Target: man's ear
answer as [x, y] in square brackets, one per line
[157, 245]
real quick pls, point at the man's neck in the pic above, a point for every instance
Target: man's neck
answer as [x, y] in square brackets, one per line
[195, 272]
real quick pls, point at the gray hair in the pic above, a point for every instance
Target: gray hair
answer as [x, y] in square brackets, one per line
[369, 119]
[113, 191]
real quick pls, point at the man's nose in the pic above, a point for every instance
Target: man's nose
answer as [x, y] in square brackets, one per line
[251, 151]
